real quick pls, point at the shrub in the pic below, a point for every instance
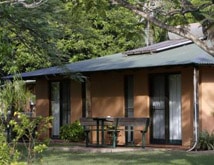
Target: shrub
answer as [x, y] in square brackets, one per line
[13, 100]
[206, 141]
[72, 132]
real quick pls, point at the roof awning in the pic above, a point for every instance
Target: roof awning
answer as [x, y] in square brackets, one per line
[181, 52]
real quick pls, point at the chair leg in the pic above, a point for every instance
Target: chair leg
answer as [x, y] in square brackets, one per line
[114, 140]
[143, 139]
[86, 138]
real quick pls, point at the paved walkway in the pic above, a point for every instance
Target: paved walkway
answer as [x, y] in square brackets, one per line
[61, 145]
[95, 149]
[117, 149]
[82, 148]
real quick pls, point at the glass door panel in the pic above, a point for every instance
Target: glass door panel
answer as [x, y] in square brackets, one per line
[175, 108]
[65, 103]
[55, 108]
[166, 109]
[158, 107]
[129, 105]
[60, 105]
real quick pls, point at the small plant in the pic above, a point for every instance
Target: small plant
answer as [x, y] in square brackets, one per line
[7, 153]
[14, 97]
[72, 132]
[206, 141]
[26, 130]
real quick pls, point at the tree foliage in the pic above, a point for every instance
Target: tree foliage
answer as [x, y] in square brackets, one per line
[28, 36]
[167, 14]
[14, 98]
[41, 33]
[28, 130]
[24, 3]
[55, 32]
[95, 29]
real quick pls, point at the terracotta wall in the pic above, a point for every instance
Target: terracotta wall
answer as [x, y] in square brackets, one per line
[141, 94]
[107, 94]
[141, 101]
[42, 100]
[76, 101]
[206, 103]
[42, 97]
[107, 97]
[187, 106]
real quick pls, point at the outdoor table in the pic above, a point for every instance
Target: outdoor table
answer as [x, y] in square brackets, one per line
[101, 120]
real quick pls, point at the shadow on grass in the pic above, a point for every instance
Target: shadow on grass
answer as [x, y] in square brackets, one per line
[135, 157]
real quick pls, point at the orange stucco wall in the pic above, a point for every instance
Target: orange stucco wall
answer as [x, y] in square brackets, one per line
[42, 100]
[206, 103]
[76, 101]
[107, 97]
[187, 106]
[141, 101]
[107, 94]
[42, 97]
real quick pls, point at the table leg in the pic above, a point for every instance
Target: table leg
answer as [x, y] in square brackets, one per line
[97, 132]
[102, 125]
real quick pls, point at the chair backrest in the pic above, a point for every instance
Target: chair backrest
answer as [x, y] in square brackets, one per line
[87, 121]
[134, 121]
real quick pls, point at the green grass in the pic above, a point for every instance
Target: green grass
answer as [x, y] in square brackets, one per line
[135, 157]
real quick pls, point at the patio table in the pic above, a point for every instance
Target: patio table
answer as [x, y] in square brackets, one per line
[101, 123]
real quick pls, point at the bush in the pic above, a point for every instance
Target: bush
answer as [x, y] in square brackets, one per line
[72, 132]
[206, 141]
[8, 153]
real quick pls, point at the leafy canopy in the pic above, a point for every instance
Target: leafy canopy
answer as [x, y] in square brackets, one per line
[166, 14]
[56, 32]
[28, 37]
[96, 28]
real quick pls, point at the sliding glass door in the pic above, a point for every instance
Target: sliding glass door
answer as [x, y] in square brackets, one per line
[166, 109]
[158, 109]
[60, 105]
[55, 108]
[175, 109]
[129, 105]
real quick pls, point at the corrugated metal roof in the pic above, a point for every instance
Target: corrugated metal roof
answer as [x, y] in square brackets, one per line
[182, 55]
[159, 46]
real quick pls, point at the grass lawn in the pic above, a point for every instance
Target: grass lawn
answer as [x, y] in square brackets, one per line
[122, 158]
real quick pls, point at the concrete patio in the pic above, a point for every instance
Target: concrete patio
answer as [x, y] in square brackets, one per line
[80, 147]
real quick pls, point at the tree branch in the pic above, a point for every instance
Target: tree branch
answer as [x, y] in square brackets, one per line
[190, 9]
[25, 4]
[183, 32]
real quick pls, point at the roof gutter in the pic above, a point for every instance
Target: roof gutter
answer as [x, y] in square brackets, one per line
[196, 111]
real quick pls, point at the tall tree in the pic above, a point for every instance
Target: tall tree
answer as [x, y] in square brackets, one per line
[28, 34]
[24, 3]
[95, 29]
[37, 34]
[169, 13]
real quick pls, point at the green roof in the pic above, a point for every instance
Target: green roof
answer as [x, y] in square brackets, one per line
[186, 54]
